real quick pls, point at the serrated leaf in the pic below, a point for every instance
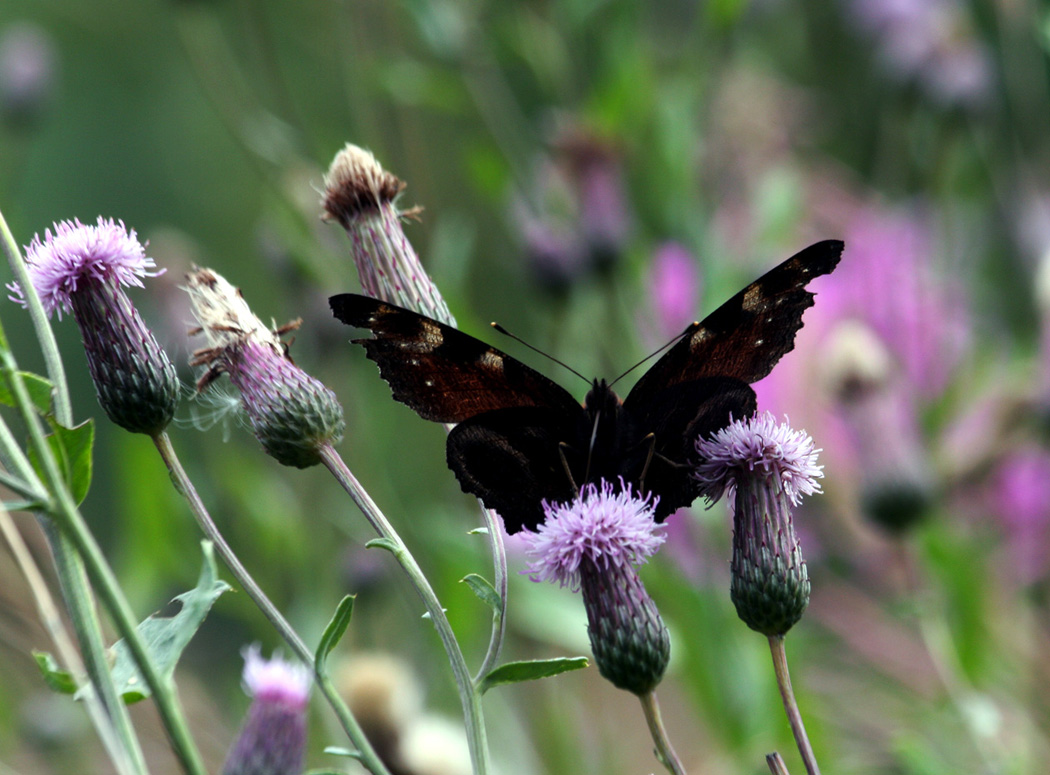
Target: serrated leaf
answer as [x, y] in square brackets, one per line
[516, 672]
[486, 593]
[57, 679]
[71, 448]
[333, 633]
[39, 390]
[167, 637]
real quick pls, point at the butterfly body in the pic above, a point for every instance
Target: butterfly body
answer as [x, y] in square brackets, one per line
[521, 439]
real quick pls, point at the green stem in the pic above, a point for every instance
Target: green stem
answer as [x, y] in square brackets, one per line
[468, 695]
[182, 482]
[56, 371]
[499, 619]
[798, 729]
[664, 752]
[71, 524]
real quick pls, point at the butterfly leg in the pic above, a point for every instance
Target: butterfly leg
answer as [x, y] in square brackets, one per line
[650, 439]
[562, 446]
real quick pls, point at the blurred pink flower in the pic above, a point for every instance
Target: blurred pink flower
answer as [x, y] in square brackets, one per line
[674, 289]
[931, 42]
[1020, 498]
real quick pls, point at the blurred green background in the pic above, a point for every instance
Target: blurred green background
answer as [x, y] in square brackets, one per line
[594, 174]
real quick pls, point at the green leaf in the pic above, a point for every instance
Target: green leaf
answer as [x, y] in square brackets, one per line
[71, 448]
[486, 593]
[57, 679]
[336, 750]
[333, 633]
[39, 390]
[516, 672]
[384, 543]
[167, 637]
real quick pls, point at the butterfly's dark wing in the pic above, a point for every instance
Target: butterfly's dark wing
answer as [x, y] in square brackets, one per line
[705, 378]
[746, 336]
[511, 459]
[440, 372]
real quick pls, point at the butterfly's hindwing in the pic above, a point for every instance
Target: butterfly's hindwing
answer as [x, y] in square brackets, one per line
[512, 459]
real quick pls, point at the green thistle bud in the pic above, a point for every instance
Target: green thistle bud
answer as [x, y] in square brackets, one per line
[768, 468]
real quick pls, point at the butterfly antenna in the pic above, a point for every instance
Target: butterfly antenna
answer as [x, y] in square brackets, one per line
[688, 332]
[518, 339]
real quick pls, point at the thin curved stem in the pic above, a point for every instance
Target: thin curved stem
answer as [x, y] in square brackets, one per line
[499, 618]
[468, 695]
[798, 729]
[664, 751]
[367, 755]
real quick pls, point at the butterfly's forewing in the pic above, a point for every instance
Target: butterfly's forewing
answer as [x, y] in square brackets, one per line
[511, 459]
[746, 336]
[705, 378]
[506, 448]
[440, 372]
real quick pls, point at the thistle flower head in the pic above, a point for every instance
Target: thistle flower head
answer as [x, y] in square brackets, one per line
[603, 527]
[83, 270]
[767, 467]
[273, 738]
[292, 414]
[758, 447]
[75, 255]
[593, 544]
[361, 196]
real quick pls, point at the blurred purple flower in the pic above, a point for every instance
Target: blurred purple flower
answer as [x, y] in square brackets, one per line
[28, 63]
[1020, 497]
[575, 217]
[273, 738]
[674, 288]
[889, 282]
[931, 42]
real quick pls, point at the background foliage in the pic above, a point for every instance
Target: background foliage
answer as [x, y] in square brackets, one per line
[585, 135]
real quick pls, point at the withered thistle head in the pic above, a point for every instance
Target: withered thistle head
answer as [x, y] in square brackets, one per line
[362, 197]
[292, 414]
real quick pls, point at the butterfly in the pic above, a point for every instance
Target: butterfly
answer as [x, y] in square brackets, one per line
[521, 439]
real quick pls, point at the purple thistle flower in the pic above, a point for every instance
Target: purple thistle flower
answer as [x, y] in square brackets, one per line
[292, 414]
[362, 196]
[77, 255]
[594, 544]
[83, 270]
[766, 468]
[273, 738]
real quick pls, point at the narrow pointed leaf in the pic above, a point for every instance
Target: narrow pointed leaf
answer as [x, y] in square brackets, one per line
[484, 590]
[516, 672]
[333, 633]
